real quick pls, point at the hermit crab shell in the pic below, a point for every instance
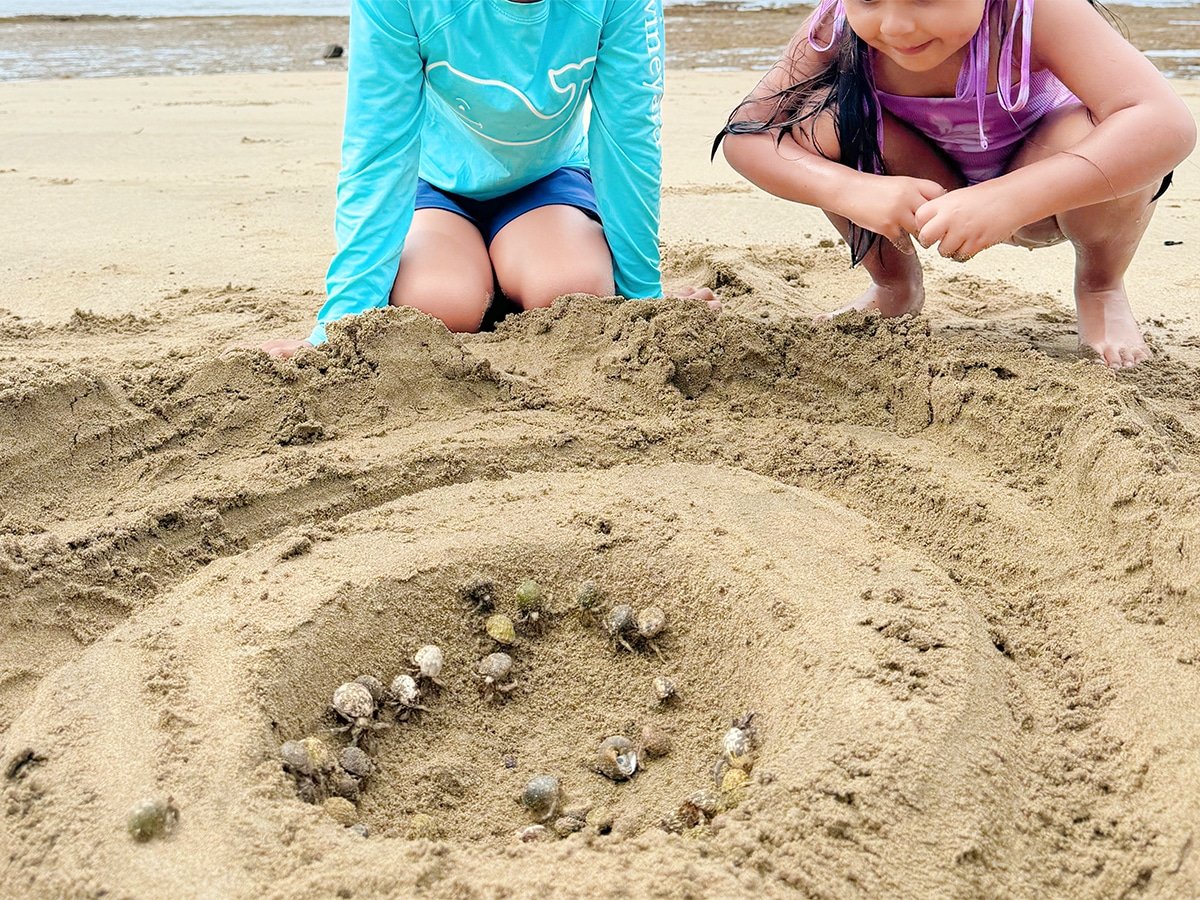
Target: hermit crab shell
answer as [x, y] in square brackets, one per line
[617, 758]
[480, 593]
[495, 666]
[655, 741]
[651, 621]
[542, 796]
[405, 691]
[619, 620]
[353, 701]
[664, 688]
[372, 684]
[736, 747]
[500, 629]
[529, 596]
[295, 758]
[152, 818]
[428, 661]
[356, 762]
[588, 596]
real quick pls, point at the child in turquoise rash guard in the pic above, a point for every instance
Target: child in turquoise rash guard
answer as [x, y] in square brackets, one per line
[470, 154]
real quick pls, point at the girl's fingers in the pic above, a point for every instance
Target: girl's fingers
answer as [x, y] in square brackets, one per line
[903, 243]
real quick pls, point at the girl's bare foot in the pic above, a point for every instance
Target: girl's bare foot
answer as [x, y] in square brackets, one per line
[1107, 325]
[284, 348]
[890, 301]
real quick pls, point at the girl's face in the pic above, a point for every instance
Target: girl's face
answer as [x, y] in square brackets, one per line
[917, 35]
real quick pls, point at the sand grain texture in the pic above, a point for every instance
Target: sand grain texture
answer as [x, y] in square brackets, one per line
[951, 566]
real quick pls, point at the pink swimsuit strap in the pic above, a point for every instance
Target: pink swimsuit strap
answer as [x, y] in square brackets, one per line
[973, 78]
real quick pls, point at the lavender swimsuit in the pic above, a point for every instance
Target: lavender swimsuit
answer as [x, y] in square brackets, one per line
[980, 132]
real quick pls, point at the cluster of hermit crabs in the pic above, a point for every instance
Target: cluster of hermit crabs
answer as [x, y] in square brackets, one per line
[731, 773]
[362, 708]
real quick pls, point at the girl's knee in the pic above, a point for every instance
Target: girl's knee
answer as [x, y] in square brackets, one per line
[541, 289]
[460, 305]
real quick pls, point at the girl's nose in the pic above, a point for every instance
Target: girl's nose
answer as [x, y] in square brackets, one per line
[896, 23]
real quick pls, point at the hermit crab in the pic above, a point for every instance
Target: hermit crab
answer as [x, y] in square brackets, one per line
[664, 689]
[650, 623]
[495, 676]
[427, 666]
[152, 818]
[620, 624]
[617, 758]
[737, 746]
[404, 696]
[354, 705]
[542, 797]
[500, 629]
[588, 597]
[531, 608]
[478, 595]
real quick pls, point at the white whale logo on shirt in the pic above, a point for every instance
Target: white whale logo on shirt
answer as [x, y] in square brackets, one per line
[515, 121]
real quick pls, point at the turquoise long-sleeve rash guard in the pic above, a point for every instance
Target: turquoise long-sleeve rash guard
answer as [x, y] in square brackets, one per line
[481, 97]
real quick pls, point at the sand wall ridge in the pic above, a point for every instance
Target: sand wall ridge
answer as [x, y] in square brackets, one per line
[955, 579]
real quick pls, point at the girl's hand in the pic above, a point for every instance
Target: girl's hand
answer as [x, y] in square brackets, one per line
[966, 221]
[703, 294]
[284, 348]
[889, 206]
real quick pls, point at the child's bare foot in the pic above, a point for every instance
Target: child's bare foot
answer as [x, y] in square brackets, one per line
[284, 348]
[890, 301]
[1106, 324]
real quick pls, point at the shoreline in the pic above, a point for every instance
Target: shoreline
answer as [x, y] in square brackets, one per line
[716, 36]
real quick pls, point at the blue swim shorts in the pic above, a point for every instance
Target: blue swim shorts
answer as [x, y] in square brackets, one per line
[568, 186]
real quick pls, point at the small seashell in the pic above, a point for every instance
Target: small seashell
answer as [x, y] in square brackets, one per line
[345, 786]
[295, 758]
[372, 684]
[500, 629]
[733, 781]
[529, 596]
[664, 688]
[736, 747]
[341, 811]
[428, 661]
[533, 833]
[152, 818]
[320, 757]
[495, 666]
[480, 594]
[588, 596]
[619, 620]
[353, 701]
[422, 827]
[655, 742]
[309, 791]
[356, 762]
[568, 825]
[404, 691]
[542, 796]
[651, 621]
[707, 802]
[360, 829]
[617, 758]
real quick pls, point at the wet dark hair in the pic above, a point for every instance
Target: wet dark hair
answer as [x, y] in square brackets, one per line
[846, 88]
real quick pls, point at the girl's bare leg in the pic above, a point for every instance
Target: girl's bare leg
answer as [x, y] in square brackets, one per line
[897, 283]
[551, 251]
[1105, 236]
[445, 270]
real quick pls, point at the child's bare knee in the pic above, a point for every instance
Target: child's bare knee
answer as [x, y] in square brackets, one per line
[543, 290]
[459, 304]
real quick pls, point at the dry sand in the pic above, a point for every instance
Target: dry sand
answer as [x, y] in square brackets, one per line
[953, 567]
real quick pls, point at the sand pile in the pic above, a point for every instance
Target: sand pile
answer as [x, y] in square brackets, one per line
[955, 578]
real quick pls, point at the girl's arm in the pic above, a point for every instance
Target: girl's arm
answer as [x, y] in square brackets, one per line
[625, 142]
[1143, 129]
[381, 147]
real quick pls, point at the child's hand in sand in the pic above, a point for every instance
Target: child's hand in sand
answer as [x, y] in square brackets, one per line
[890, 207]
[966, 221]
[284, 348]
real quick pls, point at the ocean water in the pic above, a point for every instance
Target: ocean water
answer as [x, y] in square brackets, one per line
[9, 8]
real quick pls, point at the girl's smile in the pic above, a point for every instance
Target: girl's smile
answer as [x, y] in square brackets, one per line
[918, 35]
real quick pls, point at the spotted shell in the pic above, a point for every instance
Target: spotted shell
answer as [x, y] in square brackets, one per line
[619, 620]
[356, 762]
[372, 684]
[664, 688]
[651, 621]
[404, 690]
[480, 593]
[353, 701]
[736, 746]
[588, 595]
[495, 666]
[428, 661]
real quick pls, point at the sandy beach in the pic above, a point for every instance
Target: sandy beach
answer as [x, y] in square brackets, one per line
[951, 566]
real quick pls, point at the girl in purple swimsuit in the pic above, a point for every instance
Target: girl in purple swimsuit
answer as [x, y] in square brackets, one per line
[969, 123]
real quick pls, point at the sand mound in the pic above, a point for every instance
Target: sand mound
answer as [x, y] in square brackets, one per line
[954, 577]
